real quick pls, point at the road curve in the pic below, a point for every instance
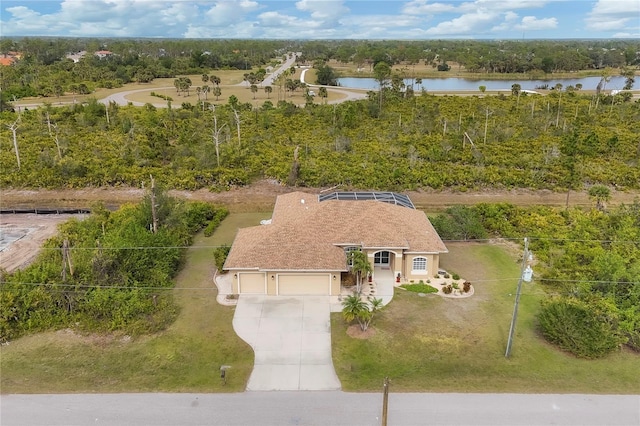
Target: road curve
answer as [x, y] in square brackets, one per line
[120, 98]
[349, 95]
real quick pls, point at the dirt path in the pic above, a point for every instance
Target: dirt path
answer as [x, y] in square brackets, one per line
[261, 196]
[22, 235]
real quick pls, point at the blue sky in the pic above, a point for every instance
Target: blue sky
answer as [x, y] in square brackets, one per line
[332, 19]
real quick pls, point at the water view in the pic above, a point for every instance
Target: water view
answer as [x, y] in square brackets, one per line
[463, 84]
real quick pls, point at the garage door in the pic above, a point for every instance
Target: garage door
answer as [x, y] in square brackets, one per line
[304, 284]
[251, 283]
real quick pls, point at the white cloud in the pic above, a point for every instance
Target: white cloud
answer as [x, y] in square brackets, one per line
[423, 7]
[501, 5]
[470, 23]
[531, 23]
[225, 13]
[626, 35]
[276, 19]
[610, 15]
[383, 22]
[323, 9]
[510, 16]
[316, 19]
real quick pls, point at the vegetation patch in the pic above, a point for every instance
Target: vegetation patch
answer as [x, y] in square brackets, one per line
[109, 272]
[186, 357]
[587, 258]
[420, 288]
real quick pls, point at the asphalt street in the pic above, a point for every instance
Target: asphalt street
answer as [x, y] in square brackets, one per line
[318, 408]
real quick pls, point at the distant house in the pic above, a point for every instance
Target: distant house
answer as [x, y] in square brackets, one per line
[75, 57]
[304, 248]
[10, 58]
[103, 54]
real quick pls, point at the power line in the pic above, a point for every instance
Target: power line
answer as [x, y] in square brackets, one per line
[85, 286]
[587, 281]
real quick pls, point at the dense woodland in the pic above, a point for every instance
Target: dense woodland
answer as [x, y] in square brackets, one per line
[562, 141]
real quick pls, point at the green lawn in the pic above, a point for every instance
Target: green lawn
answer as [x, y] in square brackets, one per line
[457, 345]
[184, 358]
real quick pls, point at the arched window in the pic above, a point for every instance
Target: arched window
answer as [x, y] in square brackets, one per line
[419, 264]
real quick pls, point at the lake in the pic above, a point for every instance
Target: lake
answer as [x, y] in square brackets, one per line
[463, 84]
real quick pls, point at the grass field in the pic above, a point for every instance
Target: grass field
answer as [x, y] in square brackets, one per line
[164, 86]
[445, 345]
[185, 357]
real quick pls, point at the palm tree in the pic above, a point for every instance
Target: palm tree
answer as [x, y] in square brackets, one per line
[214, 79]
[205, 78]
[354, 308]
[322, 92]
[254, 89]
[268, 90]
[601, 194]
[205, 90]
[216, 92]
[360, 266]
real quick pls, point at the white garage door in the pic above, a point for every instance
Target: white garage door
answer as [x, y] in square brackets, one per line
[304, 284]
[252, 283]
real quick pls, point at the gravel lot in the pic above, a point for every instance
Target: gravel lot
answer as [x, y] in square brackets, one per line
[22, 235]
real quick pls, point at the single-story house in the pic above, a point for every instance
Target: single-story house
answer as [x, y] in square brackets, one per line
[304, 248]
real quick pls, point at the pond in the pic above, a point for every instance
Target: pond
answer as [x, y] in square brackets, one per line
[463, 84]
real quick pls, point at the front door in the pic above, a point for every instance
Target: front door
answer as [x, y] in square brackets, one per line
[381, 258]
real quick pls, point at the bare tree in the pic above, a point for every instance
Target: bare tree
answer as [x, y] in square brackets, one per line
[54, 136]
[14, 127]
[237, 119]
[216, 132]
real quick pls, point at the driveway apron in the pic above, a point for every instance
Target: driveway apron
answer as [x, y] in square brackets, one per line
[291, 338]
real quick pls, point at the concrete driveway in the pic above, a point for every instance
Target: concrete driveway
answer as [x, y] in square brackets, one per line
[291, 338]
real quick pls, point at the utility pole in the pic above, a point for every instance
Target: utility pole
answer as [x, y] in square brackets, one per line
[512, 329]
[385, 400]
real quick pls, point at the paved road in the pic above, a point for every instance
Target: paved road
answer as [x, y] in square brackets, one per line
[268, 81]
[319, 408]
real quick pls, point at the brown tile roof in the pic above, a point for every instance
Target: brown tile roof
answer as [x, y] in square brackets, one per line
[7, 61]
[306, 234]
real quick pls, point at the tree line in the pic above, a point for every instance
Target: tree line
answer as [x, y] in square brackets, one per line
[506, 56]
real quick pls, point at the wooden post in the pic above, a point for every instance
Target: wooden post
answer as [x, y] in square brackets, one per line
[385, 400]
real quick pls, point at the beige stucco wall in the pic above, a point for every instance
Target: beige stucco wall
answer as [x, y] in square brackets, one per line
[433, 263]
